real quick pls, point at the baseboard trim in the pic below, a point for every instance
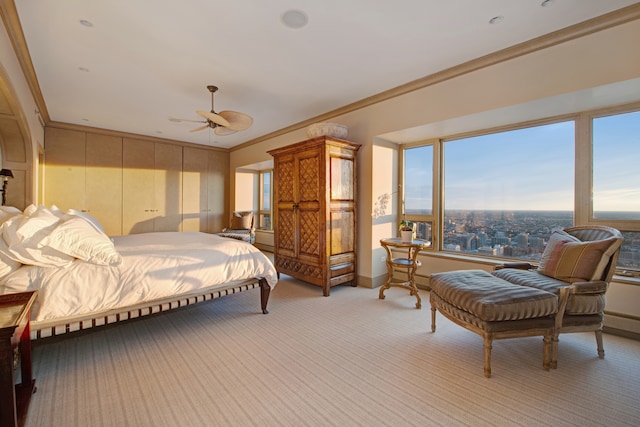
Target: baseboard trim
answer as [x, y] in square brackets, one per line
[622, 333]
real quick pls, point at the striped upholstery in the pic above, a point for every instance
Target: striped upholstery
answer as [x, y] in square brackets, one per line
[490, 327]
[591, 303]
[490, 298]
[569, 259]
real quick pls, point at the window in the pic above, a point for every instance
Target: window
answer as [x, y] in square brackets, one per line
[417, 198]
[616, 183]
[264, 213]
[502, 193]
[505, 192]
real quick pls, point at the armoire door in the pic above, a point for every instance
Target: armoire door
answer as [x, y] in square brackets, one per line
[310, 204]
[285, 222]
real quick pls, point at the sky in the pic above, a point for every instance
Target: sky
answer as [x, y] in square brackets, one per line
[526, 169]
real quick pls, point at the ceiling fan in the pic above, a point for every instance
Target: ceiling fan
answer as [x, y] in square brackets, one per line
[223, 123]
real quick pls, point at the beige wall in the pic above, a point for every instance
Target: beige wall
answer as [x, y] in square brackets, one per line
[22, 133]
[602, 58]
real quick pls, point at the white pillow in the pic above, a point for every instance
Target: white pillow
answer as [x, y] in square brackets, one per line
[7, 212]
[56, 211]
[25, 233]
[77, 237]
[7, 264]
[94, 222]
[29, 210]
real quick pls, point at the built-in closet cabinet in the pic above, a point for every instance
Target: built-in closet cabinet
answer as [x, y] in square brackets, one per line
[84, 172]
[151, 186]
[203, 176]
[136, 185]
[315, 219]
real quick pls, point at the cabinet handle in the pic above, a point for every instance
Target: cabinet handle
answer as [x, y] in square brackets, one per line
[295, 206]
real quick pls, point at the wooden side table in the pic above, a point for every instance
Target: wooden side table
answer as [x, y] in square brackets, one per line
[407, 265]
[15, 335]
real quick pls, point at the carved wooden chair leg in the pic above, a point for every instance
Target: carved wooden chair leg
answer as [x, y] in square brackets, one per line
[433, 318]
[547, 352]
[554, 351]
[487, 355]
[599, 342]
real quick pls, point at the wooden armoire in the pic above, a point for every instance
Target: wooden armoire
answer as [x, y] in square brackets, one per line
[315, 215]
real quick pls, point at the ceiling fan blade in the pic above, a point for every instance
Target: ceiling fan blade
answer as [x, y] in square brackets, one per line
[222, 131]
[199, 128]
[215, 118]
[238, 121]
[177, 120]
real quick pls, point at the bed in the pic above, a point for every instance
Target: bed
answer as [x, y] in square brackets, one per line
[86, 279]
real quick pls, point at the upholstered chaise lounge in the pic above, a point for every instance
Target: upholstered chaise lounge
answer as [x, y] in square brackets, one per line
[565, 293]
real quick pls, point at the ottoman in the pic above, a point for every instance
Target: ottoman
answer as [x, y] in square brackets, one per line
[494, 309]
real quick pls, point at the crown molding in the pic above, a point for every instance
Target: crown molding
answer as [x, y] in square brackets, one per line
[582, 29]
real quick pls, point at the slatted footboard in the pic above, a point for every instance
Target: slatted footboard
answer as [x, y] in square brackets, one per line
[78, 323]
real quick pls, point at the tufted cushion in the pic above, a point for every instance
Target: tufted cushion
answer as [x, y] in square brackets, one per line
[569, 259]
[490, 298]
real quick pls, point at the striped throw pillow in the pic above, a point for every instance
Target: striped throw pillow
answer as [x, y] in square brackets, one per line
[571, 260]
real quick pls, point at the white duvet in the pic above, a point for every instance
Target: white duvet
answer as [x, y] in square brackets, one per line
[154, 265]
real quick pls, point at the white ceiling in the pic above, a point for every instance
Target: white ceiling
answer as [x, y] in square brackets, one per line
[143, 62]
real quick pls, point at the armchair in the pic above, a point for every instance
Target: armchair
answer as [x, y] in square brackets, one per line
[240, 227]
[577, 265]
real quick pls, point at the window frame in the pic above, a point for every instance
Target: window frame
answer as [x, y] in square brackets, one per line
[261, 210]
[434, 217]
[583, 170]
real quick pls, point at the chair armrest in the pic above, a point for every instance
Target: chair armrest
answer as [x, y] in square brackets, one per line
[518, 265]
[237, 231]
[589, 288]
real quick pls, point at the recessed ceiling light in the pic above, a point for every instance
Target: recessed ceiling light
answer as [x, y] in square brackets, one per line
[546, 3]
[86, 70]
[86, 23]
[496, 19]
[294, 18]
[85, 120]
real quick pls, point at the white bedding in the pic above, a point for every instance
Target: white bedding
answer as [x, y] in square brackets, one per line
[154, 266]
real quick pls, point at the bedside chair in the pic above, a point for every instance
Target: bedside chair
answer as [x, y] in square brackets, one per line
[241, 227]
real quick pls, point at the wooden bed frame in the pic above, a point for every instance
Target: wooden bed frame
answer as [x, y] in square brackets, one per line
[65, 325]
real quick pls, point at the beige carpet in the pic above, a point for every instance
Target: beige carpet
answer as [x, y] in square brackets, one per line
[346, 360]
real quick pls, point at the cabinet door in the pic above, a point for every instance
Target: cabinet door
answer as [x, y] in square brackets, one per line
[65, 169]
[311, 225]
[285, 204]
[104, 181]
[168, 187]
[195, 183]
[138, 177]
[217, 191]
